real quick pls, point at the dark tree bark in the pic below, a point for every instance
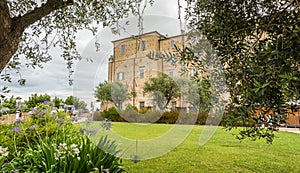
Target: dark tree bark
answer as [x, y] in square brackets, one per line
[12, 28]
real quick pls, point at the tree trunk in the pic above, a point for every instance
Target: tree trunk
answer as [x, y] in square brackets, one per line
[8, 39]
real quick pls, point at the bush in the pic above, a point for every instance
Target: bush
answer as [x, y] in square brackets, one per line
[130, 107]
[202, 117]
[173, 117]
[97, 116]
[45, 143]
[134, 116]
[16, 136]
[68, 156]
[112, 114]
[144, 110]
[130, 115]
[169, 117]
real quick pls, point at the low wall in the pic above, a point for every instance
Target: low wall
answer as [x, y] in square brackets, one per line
[7, 118]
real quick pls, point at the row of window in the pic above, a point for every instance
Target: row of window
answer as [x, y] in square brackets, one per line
[121, 75]
[143, 46]
[142, 104]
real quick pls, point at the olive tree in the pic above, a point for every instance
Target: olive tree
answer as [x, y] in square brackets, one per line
[115, 92]
[29, 28]
[258, 44]
[163, 89]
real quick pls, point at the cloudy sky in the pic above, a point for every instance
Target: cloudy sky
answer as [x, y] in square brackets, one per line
[53, 78]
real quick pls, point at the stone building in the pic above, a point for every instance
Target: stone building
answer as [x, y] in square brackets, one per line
[130, 65]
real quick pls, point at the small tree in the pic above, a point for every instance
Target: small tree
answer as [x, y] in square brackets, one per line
[10, 104]
[35, 99]
[119, 94]
[76, 102]
[57, 101]
[103, 93]
[115, 92]
[163, 89]
[69, 100]
[196, 92]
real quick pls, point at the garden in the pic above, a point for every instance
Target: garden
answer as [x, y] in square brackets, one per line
[243, 56]
[46, 142]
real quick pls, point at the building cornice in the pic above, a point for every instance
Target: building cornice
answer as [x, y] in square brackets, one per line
[134, 36]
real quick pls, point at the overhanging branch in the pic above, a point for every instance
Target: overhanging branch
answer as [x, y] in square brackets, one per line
[22, 22]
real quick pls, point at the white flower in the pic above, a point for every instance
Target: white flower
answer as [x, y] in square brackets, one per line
[3, 152]
[73, 145]
[76, 151]
[63, 145]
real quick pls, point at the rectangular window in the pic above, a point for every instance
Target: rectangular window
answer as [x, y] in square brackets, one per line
[171, 74]
[143, 45]
[142, 105]
[120, 76]
[122, 49]
[142, 73]
[174, 105]
[172, 44]
[195, 71]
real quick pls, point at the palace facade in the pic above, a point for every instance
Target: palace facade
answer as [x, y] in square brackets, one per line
[131, 65]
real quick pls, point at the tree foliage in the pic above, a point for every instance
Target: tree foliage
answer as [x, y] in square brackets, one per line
[163, 89]
[196, 92]
[115, 92]
[57, 101]
[76, 102]
[10, 104]
[258, 44]
[103, 92]
[119, 94]
[36, 99]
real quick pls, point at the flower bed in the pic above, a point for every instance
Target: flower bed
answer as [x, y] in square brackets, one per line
[51, 143]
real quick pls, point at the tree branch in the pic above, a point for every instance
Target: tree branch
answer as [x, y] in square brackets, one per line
[22, 22]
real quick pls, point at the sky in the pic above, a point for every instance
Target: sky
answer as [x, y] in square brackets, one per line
[53, 77]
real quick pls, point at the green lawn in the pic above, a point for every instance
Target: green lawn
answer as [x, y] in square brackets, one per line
[222, 153]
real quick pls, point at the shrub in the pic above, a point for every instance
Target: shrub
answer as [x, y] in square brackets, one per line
[169, 117]
[130, 107]
[112, 114]
[68, 156]
[45, 143]
[16, 136]
[97, 116]
[134, 116]
[173, 117]
[144, 110]
[130, 115]
[202, 117]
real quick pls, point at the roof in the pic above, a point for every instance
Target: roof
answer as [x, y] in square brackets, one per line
[148, 33]
[179, 35]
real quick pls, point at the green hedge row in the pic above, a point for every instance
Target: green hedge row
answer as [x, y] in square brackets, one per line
[169, 117]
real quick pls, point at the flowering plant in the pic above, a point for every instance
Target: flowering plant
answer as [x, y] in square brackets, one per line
[45, 143]
[106, 124]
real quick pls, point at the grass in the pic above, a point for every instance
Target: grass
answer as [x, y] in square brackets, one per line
[222, 153]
